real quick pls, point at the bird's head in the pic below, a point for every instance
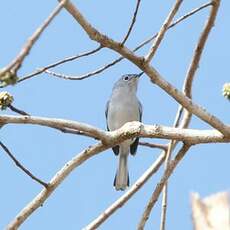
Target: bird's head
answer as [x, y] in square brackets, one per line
[128, 82]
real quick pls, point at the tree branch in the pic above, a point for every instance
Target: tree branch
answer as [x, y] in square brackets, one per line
[18, 164]
[154, 145]
[68, 59]
[53, 123]
[163, 30]
[168, 172]
[186, 102]
[187, 89]
[124, 198]
[76, 132]
[127, 131]
[17, 62]
[105, 67]
[53, 184]
[132, 23]
[16, 110]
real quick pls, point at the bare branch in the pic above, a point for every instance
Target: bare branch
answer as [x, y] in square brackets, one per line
[127, 131]
[186, 102]
[187, 89]
[76, 132]
[68, 59]
[179, 20]
[168, 172]
[154, 145]
[101, 69]
[162, 31]
[17, 62]
[171, 146]
[16, 110]
[86, 75]
[132, 23]
[54, 123]
[55, 181]
[18, 164]
[200, 47]
[105, 67]
[164, 205]
[124, 198]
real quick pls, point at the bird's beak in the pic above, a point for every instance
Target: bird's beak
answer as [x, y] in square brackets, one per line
[139, 75]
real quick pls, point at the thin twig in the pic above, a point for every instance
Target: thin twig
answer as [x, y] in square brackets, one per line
[124, 198]
[76, 132]
[154, 145]
[132, 22]
[163, 29]
[86, 75]
[158, 189]
[16, 110]
[21, 166]
[171, 146]
[182, 18]
[68, 59]
[107, 66]
[17, 62]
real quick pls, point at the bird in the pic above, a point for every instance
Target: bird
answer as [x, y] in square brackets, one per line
[122, 107]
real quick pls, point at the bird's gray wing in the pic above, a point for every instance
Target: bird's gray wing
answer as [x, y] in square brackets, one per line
[106, 113]
[140, 110]
[134, 145]
[115, 148]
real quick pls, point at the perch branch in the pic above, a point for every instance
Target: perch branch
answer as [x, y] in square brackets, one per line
[130, 129]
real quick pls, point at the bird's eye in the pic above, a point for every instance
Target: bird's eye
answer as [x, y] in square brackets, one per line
[126, 78]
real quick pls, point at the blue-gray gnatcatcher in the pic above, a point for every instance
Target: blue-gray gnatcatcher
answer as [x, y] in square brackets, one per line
[123, 107]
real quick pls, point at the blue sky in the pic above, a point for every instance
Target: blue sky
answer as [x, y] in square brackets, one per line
[88, 190]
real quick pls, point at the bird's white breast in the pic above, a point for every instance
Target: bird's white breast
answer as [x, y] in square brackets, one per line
[122, 109]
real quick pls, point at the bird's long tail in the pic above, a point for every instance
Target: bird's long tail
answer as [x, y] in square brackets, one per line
[121, 180]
